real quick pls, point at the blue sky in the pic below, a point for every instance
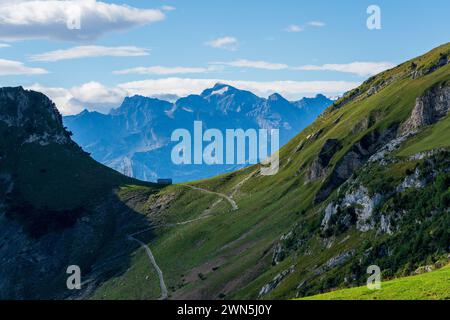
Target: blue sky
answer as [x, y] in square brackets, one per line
[298, 48]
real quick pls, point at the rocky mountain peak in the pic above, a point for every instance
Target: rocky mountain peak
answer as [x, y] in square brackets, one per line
[276, 97]
[33, 114]
[219, 89]
[140, 103]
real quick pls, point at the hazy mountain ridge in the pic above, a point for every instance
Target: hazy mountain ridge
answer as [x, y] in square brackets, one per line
[135, 138]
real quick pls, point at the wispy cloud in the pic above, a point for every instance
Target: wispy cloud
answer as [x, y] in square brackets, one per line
[358, 68]
[90, 51]
[298, 28]
[49, 19]
[226, 43]
[4, 45]
[255, 64]
[160, 70]
[168, 8]
[293, 28]
[10, 67]
[316, 24]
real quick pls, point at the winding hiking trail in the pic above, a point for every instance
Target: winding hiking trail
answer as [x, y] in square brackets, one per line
[162, 284]
[228, 198]
[131, 237]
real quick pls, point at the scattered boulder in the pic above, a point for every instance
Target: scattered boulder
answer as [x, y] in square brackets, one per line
[425, 269]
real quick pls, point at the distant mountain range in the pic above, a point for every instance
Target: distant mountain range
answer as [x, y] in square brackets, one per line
[134, 139]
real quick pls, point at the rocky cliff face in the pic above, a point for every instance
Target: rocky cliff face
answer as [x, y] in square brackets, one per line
[33, 114]
[433, 105]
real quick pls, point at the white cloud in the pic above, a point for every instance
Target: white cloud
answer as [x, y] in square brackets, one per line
[94, 92]
[50, 19]
[60, 96]
[4, 45]
[294, 28]
[90, 51]
[160, 70]
[359, 68]
[317, 24]
[10, 67]
[226, 43]
[92, 95]
[256, 64]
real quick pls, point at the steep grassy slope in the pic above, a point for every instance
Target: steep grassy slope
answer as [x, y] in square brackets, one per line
[428, 286]
[326, 215]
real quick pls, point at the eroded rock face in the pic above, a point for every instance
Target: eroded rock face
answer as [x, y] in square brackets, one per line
[382, 154]
[354, 159]
[429, 108]
[319, 166]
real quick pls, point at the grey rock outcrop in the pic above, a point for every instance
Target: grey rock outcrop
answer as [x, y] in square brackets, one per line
[363, 205]
[429, 108]
[335, 262]
[276, 281]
